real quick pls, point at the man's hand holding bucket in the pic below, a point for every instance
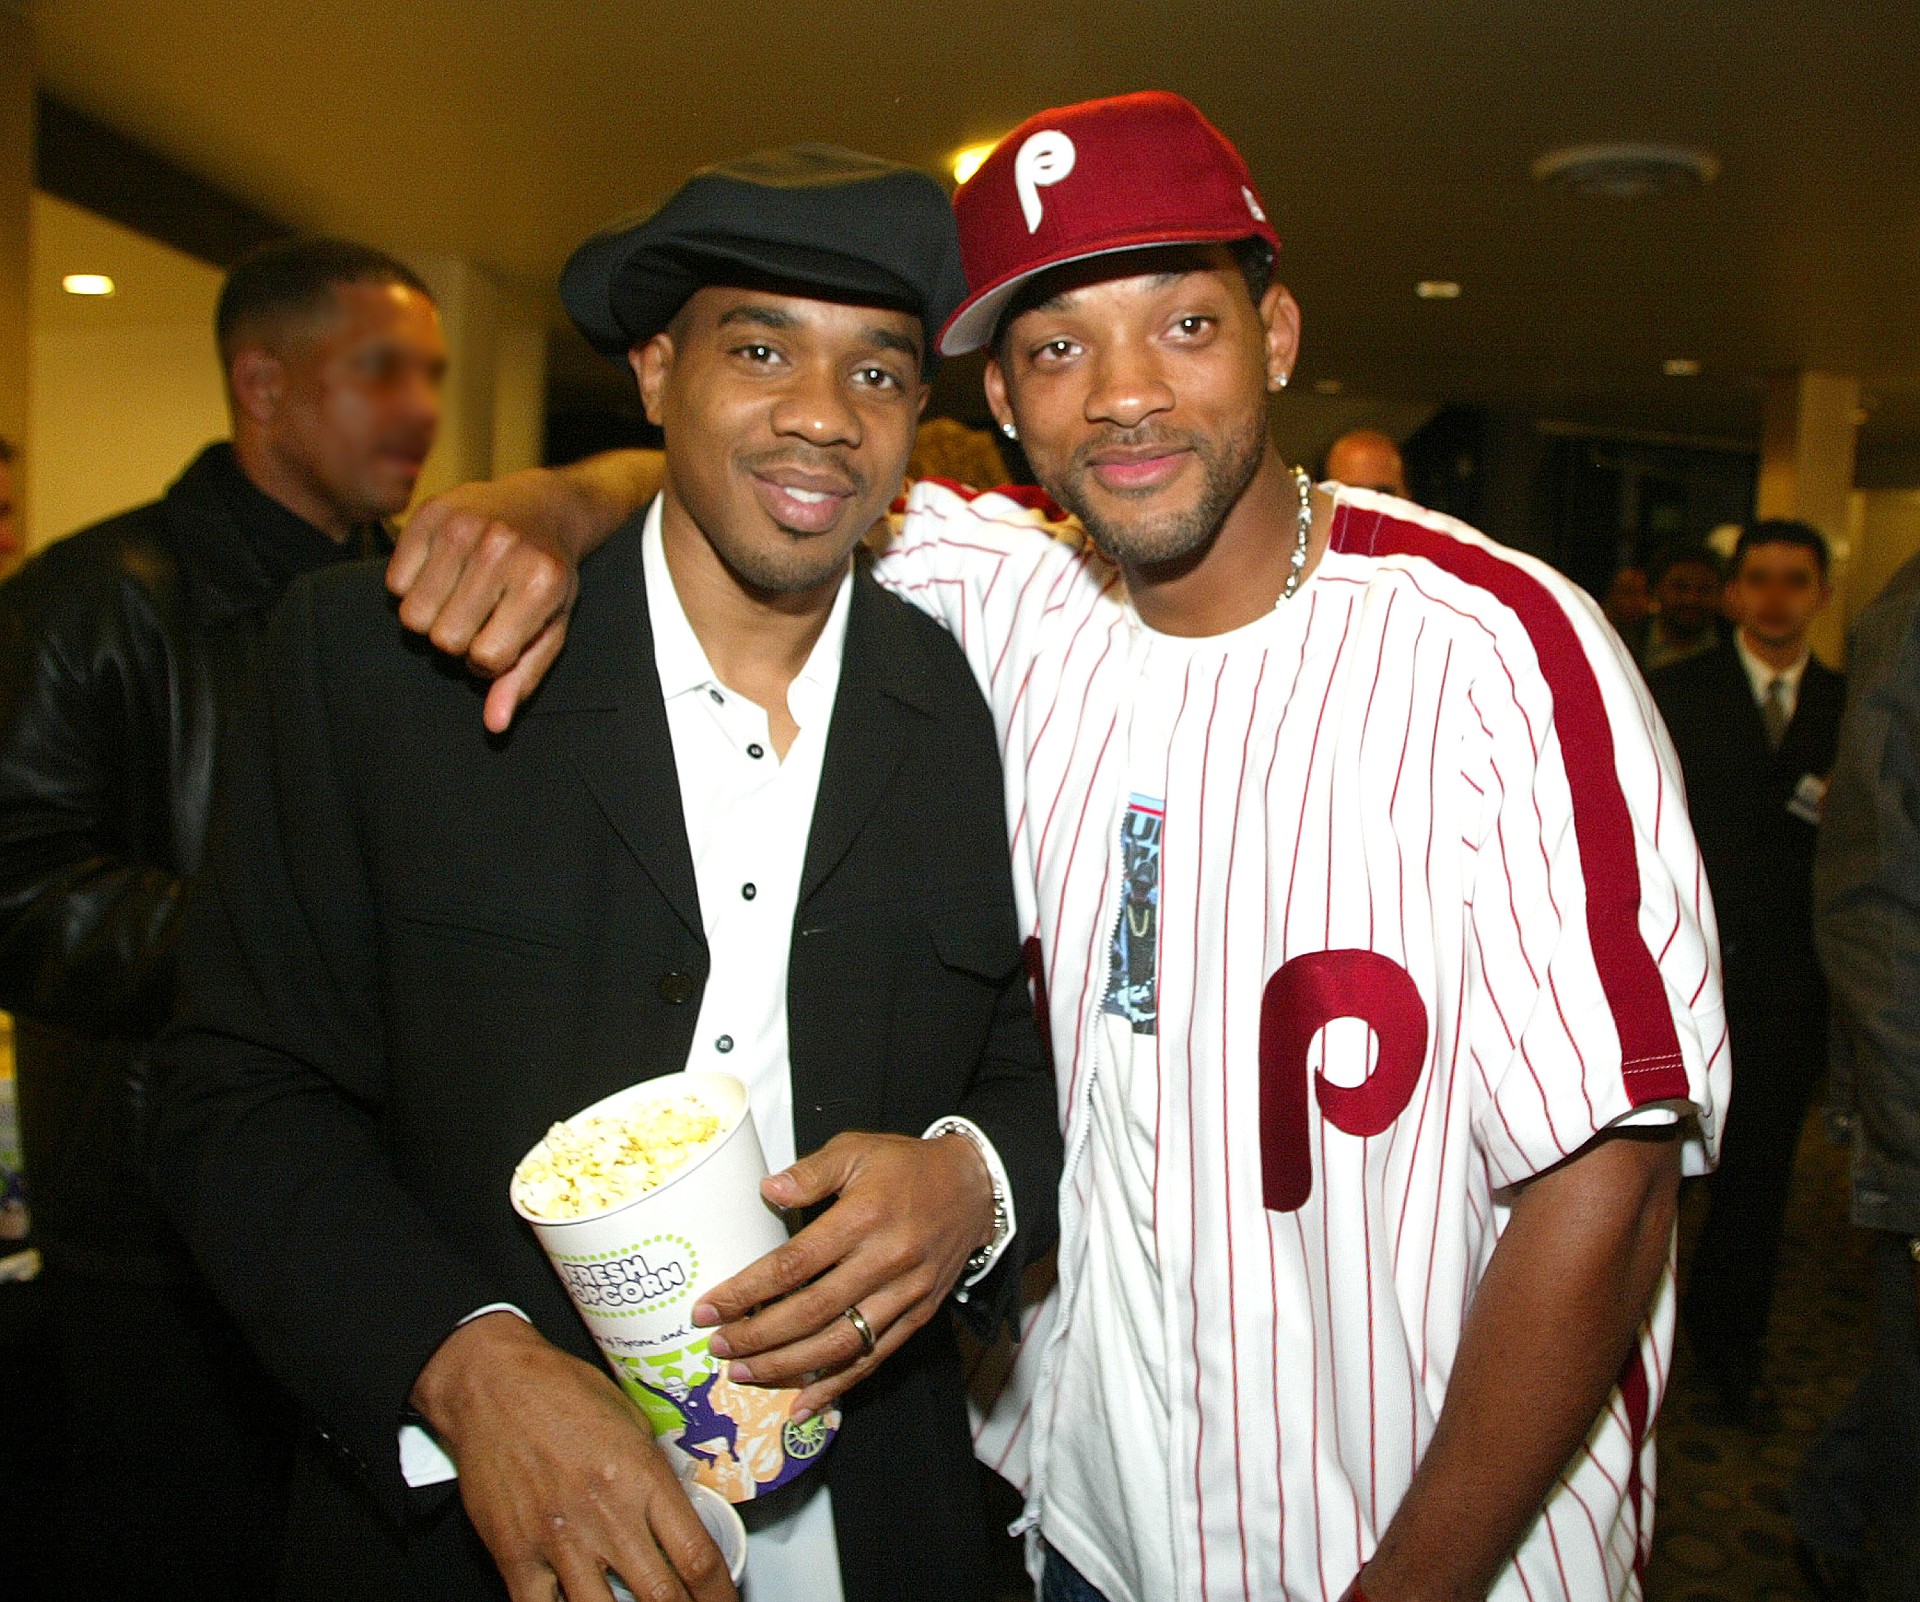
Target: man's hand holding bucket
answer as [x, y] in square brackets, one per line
[850, 1289]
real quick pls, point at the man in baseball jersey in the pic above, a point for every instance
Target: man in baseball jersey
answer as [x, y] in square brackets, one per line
[1376, 957]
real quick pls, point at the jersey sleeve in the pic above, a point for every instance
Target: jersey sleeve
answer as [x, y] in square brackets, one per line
[989, 567]
[1593, 967]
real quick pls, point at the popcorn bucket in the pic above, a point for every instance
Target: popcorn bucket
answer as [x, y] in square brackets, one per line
[636, 1267]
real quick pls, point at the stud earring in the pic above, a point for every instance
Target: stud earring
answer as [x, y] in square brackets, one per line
[1010, 431]
[1281, 381]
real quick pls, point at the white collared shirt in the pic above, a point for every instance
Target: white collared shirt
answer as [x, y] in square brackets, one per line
[1760, 675]
[748, 815]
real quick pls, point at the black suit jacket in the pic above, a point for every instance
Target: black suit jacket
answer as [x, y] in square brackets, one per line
[1758, 855]
[415, 946]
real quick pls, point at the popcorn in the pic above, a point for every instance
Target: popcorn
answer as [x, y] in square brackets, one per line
[590, 1163]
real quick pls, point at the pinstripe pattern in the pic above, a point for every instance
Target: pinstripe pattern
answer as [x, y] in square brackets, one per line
[1436, 753]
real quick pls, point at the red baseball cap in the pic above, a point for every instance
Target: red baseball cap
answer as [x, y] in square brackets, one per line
[1105, 175]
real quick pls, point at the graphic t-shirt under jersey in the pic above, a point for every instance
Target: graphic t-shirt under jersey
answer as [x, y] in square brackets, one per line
[1108, 1506]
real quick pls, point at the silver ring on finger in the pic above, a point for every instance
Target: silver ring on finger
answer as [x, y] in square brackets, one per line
[858, 1320]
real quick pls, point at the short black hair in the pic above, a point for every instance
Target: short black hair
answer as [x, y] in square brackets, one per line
[1681, 553]
[295, 278]
[1253, 256]
[1782, 531]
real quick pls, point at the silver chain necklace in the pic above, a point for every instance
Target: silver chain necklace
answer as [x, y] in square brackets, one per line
[1297, 566]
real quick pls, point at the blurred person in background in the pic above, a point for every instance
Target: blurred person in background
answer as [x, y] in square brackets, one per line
[949, 450]
[1685, 618]
[1755, 721]
[122, 652]
[1856, 1499]
[1627, 602]
[1367, 459]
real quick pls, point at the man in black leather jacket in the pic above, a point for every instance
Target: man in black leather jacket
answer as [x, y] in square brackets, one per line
[121, 652]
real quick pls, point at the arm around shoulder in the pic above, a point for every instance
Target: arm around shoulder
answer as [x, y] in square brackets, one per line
[488, 571]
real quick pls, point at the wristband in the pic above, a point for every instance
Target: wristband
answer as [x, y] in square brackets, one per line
[1002, 1204]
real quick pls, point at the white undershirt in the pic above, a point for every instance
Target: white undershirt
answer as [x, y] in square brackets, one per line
[1108, 1505]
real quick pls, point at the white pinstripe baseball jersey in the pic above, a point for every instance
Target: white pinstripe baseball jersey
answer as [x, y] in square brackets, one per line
[1428, 793]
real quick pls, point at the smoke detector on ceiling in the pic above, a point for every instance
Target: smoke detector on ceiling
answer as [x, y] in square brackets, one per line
[1626, 171]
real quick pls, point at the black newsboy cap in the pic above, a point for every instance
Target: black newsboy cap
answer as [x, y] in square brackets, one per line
[810, 217]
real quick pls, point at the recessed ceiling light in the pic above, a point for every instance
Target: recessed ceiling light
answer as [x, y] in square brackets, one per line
[967, 162]
[87, 284]
[1328, 386]
[1437, 289]
[1626, 171]
[1680, 367]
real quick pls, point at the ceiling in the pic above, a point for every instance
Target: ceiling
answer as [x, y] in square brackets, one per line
[1391, 140]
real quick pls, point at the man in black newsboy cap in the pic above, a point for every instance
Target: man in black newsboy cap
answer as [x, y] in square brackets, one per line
[752, 823]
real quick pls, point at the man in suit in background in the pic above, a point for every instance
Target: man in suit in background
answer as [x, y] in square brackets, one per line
[752, 822]
[1755, 722]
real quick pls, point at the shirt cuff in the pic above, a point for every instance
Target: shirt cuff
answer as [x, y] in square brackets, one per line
[1651, 1116]
[1002, 1198]
[423, 1460]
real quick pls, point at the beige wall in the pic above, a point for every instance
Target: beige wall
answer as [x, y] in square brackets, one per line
[117, 413]
[125, 389]
[520, 394]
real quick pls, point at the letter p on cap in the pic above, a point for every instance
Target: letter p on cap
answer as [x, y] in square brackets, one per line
[1043, 160]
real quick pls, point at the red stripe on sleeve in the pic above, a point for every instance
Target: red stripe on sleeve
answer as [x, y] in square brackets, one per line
[1650, 1049]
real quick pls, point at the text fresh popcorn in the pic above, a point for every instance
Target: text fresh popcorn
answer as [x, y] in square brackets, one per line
[590, 1163]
